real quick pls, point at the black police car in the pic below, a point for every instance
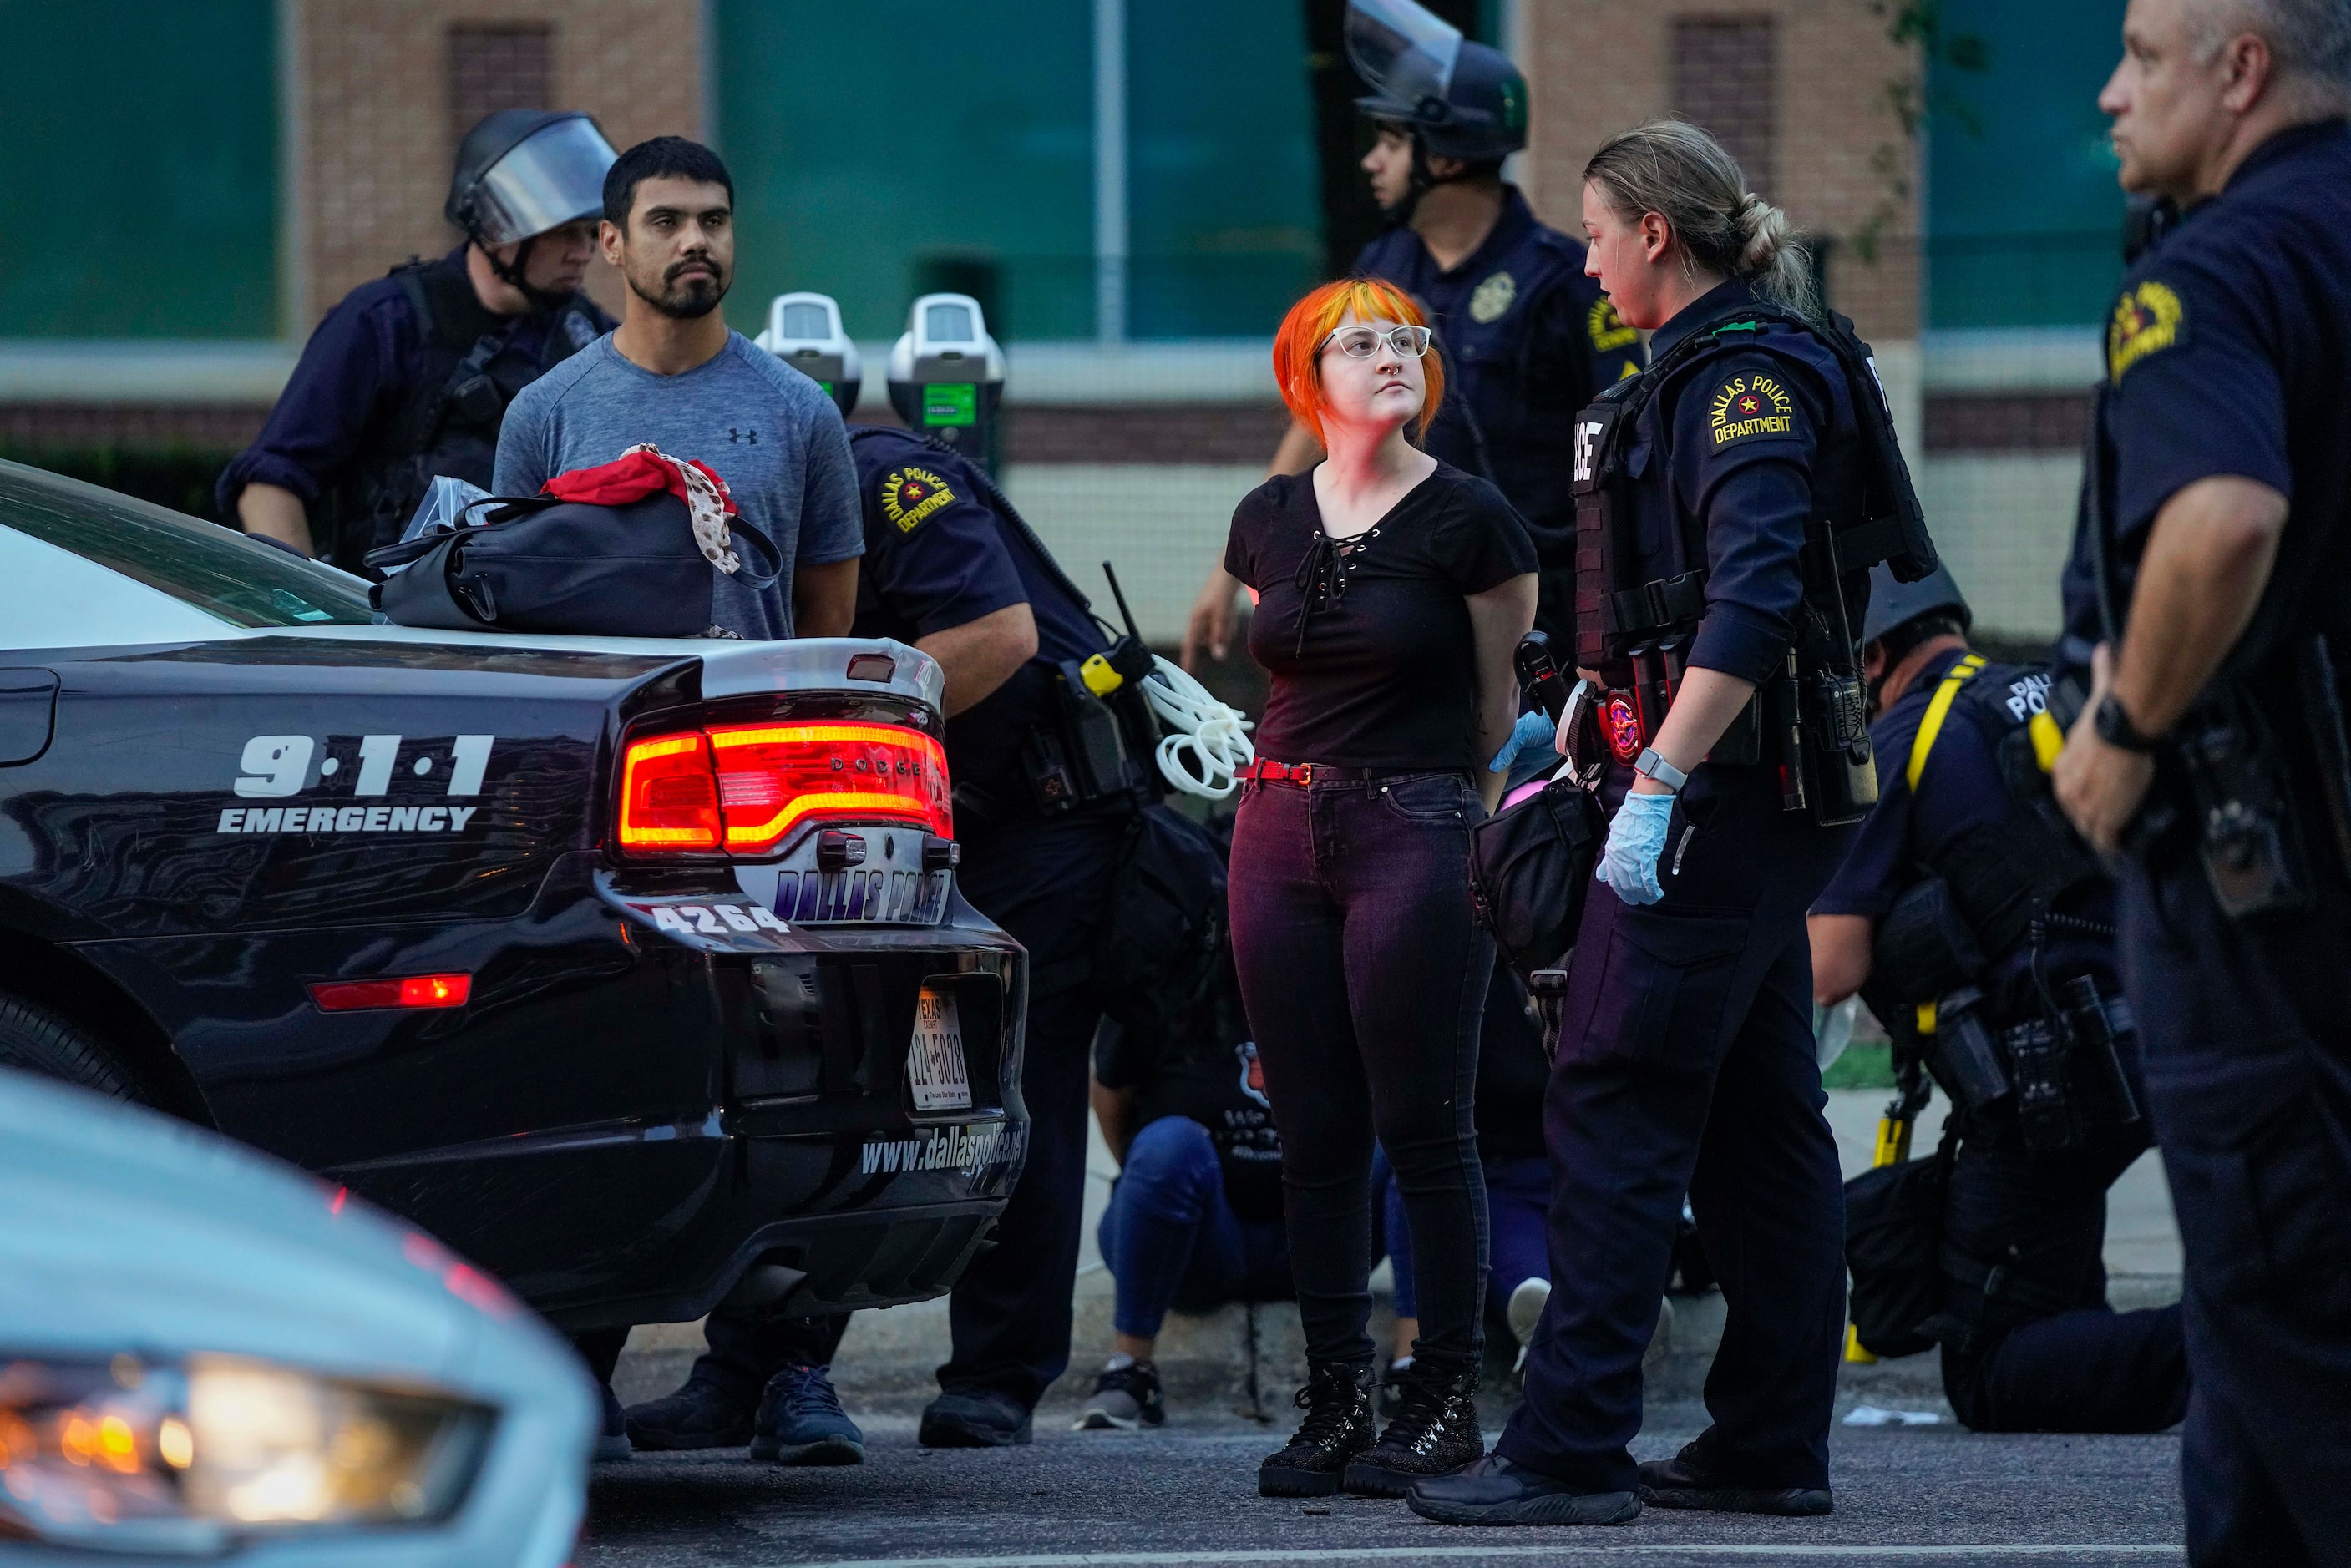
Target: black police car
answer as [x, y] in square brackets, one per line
[634, 969]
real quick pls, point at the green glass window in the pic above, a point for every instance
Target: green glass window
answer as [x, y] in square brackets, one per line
[889, 149]
[2024, 219]
[143, 150]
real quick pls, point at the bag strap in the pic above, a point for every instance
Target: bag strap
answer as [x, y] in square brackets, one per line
[1938, 709]
[401, 552]
[737, 528]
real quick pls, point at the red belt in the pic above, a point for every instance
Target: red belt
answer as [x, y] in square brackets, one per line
[1271, 772]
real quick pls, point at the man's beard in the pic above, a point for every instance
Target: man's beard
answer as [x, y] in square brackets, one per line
[685, 298]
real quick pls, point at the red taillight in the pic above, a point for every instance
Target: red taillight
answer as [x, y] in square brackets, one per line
[669, 801]
[746, 787]
[773, 777]
[409, 991]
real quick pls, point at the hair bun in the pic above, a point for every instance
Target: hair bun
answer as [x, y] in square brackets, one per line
[1763, 230]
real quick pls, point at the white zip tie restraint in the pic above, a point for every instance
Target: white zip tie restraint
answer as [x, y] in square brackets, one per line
[1209, 741]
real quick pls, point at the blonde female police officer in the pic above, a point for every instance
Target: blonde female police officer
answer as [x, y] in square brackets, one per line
[1713, 483]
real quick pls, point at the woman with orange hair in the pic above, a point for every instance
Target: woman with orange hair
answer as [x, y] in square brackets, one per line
[1391, 590]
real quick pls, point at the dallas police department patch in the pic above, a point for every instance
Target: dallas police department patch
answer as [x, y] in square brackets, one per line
[1750, 405]
[911, 494]
[2147, 320]
[1608, 328]
[1491, 297]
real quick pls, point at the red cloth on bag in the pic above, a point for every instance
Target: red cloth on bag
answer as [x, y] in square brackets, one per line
[633, 476]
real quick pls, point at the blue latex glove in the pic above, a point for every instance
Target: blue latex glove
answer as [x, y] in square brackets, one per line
[1530, 741]
[1636, 840]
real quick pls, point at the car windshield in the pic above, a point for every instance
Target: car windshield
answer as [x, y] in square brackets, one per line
[216, 569]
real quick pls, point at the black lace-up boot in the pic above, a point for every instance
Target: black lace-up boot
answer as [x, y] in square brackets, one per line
[1337, 1400]
[1435, 1431]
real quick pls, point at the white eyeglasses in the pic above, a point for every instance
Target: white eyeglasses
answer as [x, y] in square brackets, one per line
[1363, 342]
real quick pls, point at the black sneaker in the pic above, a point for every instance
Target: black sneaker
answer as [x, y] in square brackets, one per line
[1684, 1482]
[1496, 1492]
[1436, 1432]
[1337, 1400]
[701, 1414]
[802, 1422]
[980, 1419]
[1124, 1397]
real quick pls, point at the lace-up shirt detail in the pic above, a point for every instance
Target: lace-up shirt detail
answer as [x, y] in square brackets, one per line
[1322, 575]
[1367, 638]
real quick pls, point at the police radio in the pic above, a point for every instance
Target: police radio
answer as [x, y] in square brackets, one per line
[804, 331]
[946, 376]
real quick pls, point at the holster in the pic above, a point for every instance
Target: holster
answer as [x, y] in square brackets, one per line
[1090, 753]
[1961, 1052]
[2247, 836]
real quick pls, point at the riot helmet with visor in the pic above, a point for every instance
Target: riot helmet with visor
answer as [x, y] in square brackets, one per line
[521, 174]
[1455, 98]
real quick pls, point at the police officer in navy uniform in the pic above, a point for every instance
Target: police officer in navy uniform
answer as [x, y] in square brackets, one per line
[951, 569]
[1528, 338]
[409, 375]
[1969, 908]
[2210, 573]
[1725, 489]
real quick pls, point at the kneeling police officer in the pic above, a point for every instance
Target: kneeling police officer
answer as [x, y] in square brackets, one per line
[1982, 931]
[1044, 796]
[409, 375]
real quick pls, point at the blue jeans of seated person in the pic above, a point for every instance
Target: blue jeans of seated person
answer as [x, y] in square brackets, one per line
[1518, 1209]
[1171, 1240]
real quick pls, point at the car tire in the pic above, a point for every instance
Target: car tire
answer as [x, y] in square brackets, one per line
[35, 1040]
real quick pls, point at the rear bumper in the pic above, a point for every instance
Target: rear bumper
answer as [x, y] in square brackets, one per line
[628, 1123]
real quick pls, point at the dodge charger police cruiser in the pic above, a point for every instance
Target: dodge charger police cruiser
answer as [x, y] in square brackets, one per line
[634, 971]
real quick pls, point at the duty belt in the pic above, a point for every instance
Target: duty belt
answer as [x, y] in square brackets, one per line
[2120, 1021]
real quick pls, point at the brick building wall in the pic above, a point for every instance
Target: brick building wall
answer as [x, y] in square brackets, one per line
[382, 91]
[1798, 87]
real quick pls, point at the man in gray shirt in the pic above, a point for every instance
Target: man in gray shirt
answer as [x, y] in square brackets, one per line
[673, 374]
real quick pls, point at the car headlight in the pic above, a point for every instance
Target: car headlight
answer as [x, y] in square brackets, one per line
[131, 1456]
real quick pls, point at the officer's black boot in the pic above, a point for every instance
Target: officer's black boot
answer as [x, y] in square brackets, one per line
[1496, 1492]
[710, 1412]
[1686, 1482]
[1434, 1430]
[1337, 1400]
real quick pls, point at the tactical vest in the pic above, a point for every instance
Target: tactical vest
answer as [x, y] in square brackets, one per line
[1812, 721]
[447, 423]
[1861, 517]
[1985, 888]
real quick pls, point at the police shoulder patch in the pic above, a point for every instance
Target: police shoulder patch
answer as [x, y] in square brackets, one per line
[910, 494]
[1748, 406]
[2149, 319]
[1608, 330]
[1490, 298]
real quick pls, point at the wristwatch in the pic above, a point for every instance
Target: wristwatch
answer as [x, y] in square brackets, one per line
[1651, 764]
[2115, 727]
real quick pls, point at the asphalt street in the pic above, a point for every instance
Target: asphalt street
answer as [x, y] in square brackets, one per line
[1188, 1496]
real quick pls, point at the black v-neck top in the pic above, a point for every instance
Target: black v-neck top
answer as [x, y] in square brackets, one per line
[1384, 672]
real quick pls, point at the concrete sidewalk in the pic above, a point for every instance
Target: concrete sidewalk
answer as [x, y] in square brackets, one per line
[1244, 1361]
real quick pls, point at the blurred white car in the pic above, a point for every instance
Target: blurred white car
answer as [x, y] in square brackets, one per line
[206, 1353]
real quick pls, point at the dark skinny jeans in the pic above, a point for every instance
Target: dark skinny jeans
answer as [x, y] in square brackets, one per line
[1364, 975]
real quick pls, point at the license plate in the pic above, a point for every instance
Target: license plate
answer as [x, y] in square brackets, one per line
[935, 1065]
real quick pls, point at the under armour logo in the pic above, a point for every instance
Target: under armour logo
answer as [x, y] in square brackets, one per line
[734, 436]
